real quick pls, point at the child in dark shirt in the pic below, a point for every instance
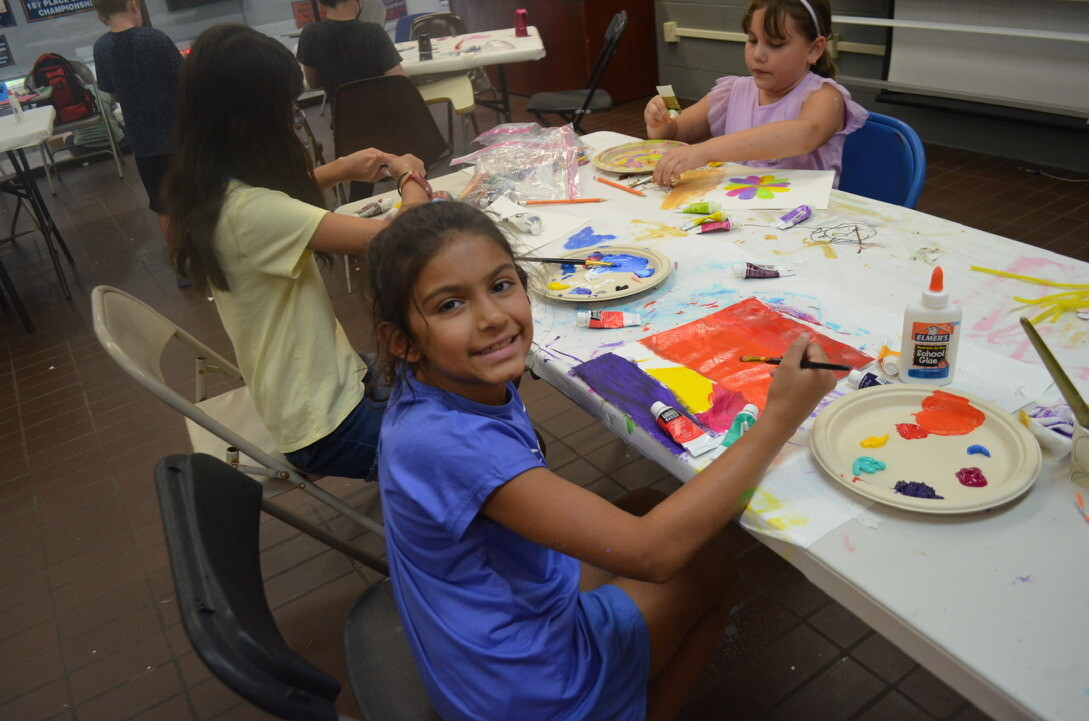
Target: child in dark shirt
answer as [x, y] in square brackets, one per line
[139, 67]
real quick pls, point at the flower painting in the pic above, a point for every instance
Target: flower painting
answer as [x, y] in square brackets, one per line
[757, 186]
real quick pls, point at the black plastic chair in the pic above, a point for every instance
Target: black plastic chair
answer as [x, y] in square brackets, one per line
[211, 518]
[571, 105]
[388, 113]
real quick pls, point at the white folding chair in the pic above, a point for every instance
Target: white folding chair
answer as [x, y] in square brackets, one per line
[227, 425]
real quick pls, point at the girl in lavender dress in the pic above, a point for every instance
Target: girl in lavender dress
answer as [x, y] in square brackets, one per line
[789, 113]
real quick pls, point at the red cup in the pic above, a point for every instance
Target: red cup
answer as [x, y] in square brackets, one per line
[520, 25]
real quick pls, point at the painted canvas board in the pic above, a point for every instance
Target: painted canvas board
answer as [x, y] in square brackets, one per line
[711, 346]
[736, 186]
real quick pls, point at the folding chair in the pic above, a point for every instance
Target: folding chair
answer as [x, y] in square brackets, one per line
[571, 105]
[211, 520]
[100, 116]
[226, 425]
[884, 160]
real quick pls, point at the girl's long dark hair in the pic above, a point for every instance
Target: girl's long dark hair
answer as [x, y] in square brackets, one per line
[236, 104]
[398, 254]
[775, 15]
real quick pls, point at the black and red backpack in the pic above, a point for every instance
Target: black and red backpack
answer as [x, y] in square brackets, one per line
[70, 99]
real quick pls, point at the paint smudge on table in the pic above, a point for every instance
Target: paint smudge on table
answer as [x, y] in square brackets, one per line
[916, 489]
[586, 238]
[648, 230]
[971, 477]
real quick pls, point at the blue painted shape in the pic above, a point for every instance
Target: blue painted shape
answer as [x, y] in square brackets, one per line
[981, 450]
[585, 238]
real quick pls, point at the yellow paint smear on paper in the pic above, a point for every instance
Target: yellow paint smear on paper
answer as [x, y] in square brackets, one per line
[783, 523]
[829, 251]
[654, 230]
[767, 506]
[691, 388]
[693, 186]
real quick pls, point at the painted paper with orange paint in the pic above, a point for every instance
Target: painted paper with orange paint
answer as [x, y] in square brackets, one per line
[712, 345]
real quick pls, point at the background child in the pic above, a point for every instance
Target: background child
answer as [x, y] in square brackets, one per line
[139, 67]
[789, 113]
[246, 216]
[485, 543]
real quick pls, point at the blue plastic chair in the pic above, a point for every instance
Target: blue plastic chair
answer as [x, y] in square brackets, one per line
[884, 160]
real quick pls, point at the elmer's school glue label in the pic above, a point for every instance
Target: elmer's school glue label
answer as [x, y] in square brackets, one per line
[932, 327]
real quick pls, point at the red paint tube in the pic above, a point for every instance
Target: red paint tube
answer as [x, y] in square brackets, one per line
[714, 227]
[608, 319]
[681, 429]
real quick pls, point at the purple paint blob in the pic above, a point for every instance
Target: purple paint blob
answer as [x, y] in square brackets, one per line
[581, 291]
[621, 382]
[971, 477]
[981, 450]
[585, 238]
[916, 489]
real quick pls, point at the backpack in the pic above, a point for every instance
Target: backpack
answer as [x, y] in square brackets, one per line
[70, 99]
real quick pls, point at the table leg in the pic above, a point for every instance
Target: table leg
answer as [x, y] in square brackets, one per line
[503, 92]
[41, 212]
[16, 301]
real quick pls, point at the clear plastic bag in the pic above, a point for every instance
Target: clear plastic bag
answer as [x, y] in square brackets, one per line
[527, 162]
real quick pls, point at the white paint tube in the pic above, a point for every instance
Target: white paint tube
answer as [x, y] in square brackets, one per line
[759, 270]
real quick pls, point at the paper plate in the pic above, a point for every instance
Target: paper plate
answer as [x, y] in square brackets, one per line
[581, 284]
[638, 157]
[1010, 470]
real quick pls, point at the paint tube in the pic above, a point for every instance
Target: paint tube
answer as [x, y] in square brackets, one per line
[865, 379]
[608, 319]
[759, 270]
[716, 217]
[375, 207]
[742, 422]
[888, 357]
[715, 227]
[670, 100]
[705, 207]
[527, 223]
[682, 429]
[798, 215]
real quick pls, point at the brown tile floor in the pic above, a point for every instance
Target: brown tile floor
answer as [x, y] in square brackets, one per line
[89, 628]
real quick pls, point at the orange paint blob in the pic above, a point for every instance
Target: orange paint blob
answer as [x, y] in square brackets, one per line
[945, 414]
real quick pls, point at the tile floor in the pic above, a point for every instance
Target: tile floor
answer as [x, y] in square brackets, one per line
[89, 629]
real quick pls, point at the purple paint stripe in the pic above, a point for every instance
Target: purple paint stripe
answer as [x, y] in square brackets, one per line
[621, 382]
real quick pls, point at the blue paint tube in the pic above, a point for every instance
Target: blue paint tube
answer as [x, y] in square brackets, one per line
[742, 422]
[865, 379]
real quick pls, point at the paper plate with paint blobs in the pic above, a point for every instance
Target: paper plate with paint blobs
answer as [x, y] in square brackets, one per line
[638, 157]
[633, 271]
[925, 449]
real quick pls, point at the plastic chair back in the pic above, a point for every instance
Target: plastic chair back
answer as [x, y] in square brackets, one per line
[403, 31]
[387, 113]
[884, 160]
[373, 11]
[211, 519]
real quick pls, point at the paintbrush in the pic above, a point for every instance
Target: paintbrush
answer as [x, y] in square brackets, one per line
[805, 363]
[569, 261]
[1066, 386]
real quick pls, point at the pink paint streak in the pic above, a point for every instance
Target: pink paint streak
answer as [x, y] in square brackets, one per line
[725, 404]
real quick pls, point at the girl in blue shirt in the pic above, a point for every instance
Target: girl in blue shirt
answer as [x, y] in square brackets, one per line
[525, 596]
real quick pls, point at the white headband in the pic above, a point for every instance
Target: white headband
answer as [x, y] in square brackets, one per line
[813, 15]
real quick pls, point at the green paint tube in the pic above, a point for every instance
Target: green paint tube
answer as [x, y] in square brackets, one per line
[742, 422]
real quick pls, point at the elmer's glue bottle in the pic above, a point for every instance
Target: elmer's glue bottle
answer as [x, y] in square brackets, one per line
[931, 335]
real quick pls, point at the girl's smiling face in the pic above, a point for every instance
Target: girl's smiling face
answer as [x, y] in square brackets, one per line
[471, 322]
[778, 64]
